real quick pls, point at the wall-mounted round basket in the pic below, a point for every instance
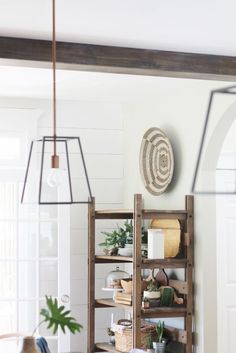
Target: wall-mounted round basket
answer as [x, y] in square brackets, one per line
[156, 161]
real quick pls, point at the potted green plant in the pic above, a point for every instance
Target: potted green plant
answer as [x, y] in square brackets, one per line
[160, 345]
[118, 239]
[152, 291]
[127, 232]
[55, 316]
[150, 345]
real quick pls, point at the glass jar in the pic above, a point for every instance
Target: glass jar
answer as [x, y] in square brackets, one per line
[113, 278]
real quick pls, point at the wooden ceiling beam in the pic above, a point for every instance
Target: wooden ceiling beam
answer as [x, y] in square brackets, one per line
[100, 58]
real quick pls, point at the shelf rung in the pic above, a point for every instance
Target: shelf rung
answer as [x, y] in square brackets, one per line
[152, 214]
[112, 259]
[146, 263]
[107, 347]
[114, 214]
[104, 303]
[164, 263]
[160, 312]
[175, 311]
[146, 214]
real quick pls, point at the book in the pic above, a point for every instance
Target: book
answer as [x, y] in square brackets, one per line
[125, 302]
[121, 295]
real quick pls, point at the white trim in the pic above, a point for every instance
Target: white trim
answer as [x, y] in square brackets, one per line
[64, 266]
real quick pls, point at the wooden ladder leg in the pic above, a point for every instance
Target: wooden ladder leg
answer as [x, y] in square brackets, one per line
[189, 273]
[137, 260]
[91, 278]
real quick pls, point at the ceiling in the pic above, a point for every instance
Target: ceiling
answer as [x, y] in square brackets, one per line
[36, 83]
[203, 26]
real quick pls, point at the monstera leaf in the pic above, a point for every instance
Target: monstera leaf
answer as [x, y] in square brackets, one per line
[56, 316]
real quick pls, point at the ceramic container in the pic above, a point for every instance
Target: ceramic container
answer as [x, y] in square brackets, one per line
[29, 345]
[159, 347]
[151, 295]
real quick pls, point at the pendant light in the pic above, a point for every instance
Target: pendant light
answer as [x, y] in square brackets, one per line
[49, 178]
[205, 175]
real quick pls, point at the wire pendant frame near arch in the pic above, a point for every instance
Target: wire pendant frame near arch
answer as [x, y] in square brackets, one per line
[215, 171]
[156, 161]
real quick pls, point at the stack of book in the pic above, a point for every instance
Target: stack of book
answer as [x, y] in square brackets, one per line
[123, 298]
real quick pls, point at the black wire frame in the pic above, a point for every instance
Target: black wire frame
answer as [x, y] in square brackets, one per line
[65, 140]
[225, 90]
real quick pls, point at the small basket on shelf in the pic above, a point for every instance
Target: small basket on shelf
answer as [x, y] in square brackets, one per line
[123, 337]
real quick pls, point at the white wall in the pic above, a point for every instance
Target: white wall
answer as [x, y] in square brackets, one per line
[179, 110]
[100, 127]
[111, 136]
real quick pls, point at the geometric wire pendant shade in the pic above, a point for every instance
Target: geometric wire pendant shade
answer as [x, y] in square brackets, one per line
[209, 172]
[56, 172]
[68, 184]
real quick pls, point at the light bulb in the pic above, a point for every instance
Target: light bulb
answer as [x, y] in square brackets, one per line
[55, 177]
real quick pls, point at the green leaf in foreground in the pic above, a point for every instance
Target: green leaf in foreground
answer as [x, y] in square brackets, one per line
[56, 316]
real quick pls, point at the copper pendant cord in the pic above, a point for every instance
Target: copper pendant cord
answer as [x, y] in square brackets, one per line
[54, 58]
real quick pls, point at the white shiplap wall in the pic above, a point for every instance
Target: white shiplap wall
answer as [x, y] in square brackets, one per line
[100, 127]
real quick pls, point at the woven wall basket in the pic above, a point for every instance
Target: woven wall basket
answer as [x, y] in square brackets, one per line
[156, 161]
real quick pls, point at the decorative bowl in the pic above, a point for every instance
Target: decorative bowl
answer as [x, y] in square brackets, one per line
[127, 285]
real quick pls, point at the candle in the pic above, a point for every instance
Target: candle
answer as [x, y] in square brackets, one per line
[112, 319]
[155, 244]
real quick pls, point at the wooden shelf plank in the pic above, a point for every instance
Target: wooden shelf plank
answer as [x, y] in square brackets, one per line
[107, 347]
[164, 312]
[112, 259]
[146, 214]
[103, 303]
[114, 214]
[145, 313]
[174, 214]
[146, 263]
[164, 263]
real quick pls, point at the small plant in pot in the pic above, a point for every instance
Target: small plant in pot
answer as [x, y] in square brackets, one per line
[160, 345]
[145, 303]
[56, 317]
[150, 348]
[112, 242]
[152, 292]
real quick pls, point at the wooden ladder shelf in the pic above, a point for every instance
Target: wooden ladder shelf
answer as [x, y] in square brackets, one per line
[138, 214]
